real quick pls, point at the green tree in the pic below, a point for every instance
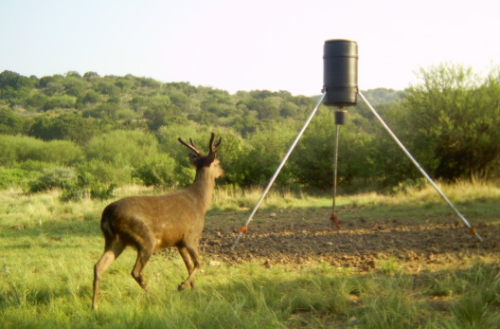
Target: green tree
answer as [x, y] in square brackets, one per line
[15, 88]
[314, 157]
[106, 86]
[16, 81]
[75, 86]
[122, 148]
[91, 76]
[53, 178]
[52, 85]
[453, 120]
[157, 171]
[69, 126]
[60, 102]
[11, 123]
[261, 155]
[37, 100]
[92, 97]
[22, 148]
[162, 112]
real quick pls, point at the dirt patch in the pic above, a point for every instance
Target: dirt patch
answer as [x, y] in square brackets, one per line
[298, 237]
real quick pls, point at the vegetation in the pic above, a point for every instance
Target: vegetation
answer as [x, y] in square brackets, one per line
[69, 142]
[49, 248]
[91, 133]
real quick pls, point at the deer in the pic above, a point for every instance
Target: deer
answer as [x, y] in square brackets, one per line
[153, 223]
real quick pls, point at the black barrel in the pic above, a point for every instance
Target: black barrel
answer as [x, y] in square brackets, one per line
[340, 73]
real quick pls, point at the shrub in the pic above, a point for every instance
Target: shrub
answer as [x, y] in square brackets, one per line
[106, 173]
[60, 152]
[159, 171]
[122, 147]
[87, 186]
[23, 148]
[265, 149]
[52, 178]
[13, 177]
[63, 101]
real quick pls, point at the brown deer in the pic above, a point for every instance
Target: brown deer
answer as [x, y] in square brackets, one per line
[151, 223]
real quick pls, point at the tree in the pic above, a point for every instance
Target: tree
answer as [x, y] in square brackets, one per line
[52, 85]
[157, 171]
[37, 100]
[258, 158]
[10, 123]
[59, 102]
[91, 76]
[16, 81]
[22, 148]
[66, 127]
[453, 117]
[312, 160]
[123, 148]
[75, 86]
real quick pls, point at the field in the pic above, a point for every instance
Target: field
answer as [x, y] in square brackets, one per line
[402, 261]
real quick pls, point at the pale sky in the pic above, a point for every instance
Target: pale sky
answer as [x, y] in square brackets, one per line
[246, 44]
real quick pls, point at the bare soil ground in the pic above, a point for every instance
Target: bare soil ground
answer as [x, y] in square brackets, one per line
[302, 237]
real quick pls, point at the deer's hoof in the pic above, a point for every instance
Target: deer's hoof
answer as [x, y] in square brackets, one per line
[182, 286]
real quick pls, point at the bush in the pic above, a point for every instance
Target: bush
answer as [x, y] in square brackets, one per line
[23, 148]
[63, 101]
[95, 190]
[107, 173]
[60, 152]
[52, 178]
[259, 158]
[158, 171]
[409, 186]
[87, 186]
[122, 148]
[13, 177]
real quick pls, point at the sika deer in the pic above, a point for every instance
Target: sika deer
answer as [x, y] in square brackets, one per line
[151, 223]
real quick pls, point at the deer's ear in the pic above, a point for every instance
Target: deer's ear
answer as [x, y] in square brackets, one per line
[193, 158]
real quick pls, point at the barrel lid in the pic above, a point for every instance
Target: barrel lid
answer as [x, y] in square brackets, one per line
[340, 40]
[340, 48]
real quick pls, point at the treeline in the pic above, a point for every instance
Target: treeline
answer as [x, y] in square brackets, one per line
[87, 134]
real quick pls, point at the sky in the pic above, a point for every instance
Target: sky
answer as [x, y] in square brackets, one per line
[247, 44]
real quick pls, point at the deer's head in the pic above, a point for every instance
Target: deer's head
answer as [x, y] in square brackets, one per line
[200, 160]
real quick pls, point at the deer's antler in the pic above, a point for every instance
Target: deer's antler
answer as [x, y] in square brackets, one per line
[213, 148]
[191, 146]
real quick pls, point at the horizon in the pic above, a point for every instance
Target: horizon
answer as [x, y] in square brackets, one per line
[167, 82]
[247, 45]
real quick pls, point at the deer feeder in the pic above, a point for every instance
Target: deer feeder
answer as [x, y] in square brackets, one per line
[340, 73]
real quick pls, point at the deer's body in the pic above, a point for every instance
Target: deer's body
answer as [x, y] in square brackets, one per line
[152, 223]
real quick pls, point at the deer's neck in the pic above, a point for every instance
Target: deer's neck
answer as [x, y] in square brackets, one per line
[203, 187]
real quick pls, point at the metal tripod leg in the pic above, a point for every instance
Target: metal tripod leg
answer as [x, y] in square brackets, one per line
[301, 132]
[438, 189]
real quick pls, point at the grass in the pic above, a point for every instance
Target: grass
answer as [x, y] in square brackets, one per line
[48, 248]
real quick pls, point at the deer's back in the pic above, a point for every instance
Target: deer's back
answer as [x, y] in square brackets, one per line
[163, 221]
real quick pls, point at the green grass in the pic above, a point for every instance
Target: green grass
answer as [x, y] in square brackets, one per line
[48, 249]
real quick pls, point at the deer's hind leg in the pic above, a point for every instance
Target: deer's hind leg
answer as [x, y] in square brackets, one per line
[112, 251]
[189, 264]
[145, 247]
[192, 253]
[143, 256]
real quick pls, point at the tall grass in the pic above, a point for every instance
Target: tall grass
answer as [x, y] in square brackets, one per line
[463, 191]
[48, 248]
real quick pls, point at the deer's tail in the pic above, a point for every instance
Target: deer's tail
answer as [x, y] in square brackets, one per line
[108, 226]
